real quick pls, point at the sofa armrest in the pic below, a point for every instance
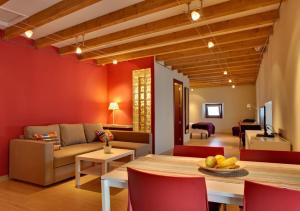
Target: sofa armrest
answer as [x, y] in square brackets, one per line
[31, 161]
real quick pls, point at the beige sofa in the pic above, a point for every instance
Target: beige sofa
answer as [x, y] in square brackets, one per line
[37, 162]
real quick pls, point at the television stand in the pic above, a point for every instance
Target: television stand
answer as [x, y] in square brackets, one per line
[265, 143]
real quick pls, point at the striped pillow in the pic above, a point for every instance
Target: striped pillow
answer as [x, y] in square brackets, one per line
[48, 137]
[104, 135]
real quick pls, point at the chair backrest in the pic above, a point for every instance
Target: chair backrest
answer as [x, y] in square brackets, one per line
[149, 192]
[258, 197]
[197, 151]
[270, 156]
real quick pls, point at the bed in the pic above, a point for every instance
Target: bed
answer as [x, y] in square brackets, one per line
[208, 126]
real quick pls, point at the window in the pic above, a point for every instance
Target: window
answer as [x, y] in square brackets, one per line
[213, 110]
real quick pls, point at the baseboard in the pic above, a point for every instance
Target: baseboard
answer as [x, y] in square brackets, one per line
[3, 178]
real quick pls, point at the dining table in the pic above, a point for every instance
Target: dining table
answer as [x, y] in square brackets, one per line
[221, 188]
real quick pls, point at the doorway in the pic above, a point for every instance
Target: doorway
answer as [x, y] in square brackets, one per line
[178, 112]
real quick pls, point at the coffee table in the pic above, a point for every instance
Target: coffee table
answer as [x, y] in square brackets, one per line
[99, 157]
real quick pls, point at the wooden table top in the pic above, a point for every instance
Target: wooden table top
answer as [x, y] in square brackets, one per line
[99, 155]
[283, 175]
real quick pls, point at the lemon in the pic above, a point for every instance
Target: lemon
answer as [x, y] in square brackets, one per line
[210, 162]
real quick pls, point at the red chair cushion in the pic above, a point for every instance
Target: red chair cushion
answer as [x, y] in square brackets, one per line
[150, 192]
[258, 197]
[270, 156]
[197, 151]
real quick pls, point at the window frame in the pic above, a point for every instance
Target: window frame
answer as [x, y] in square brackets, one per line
[220, 105]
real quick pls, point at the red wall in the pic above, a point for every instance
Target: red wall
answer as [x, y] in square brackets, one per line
[42, 87]
[120, 87]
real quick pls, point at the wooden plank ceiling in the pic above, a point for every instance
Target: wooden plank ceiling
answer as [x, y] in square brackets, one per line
[239, 29]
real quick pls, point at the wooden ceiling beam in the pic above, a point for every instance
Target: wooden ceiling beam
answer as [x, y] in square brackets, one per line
[226, 82]
[217, 77]
[220, 41]
[210, 57]
[241, 45]
[3, 2]
[212, 67]
[215, 64]
[216, 61]
[253, 71]
[219, 28]
[58, 10]
[125, 14]
[221, 69]
[208, 14]
[220, 84]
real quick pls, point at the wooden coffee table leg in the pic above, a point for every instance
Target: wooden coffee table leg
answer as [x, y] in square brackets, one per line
[77, 173]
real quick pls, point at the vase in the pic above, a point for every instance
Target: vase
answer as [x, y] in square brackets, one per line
[107, 149]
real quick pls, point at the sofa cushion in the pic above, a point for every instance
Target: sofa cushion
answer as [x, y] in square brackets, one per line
[131, 136]
[72, 134]
[90, 131]
[29, 131]
[66, 155]
[139, 148]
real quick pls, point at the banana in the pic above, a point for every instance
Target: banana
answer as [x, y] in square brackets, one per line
[228, 162]
[220, 159]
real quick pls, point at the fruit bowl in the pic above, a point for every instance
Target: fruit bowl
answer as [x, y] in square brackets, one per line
[238, 166]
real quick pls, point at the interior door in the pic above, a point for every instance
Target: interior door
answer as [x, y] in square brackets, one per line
[178, 112]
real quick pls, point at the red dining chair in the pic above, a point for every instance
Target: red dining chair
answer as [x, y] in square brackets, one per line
[149, 192]
[197, 151]
[270, 156]
[259, 197]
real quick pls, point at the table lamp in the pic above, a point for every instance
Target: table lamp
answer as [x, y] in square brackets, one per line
[113, 106]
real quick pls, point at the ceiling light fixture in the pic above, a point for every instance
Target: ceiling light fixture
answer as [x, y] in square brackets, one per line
[230, 81]
[78, 50]
[115, 61]
[195, 15]
[210, 44]
[225, 72]
[233, 86]
[29, 33]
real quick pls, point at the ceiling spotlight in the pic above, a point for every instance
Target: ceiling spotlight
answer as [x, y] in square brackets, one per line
[115, 61]
[233, 86]
[230, 81]
[210, 44]
[258, 48]
[195, 15]
[28, 33]
[225, 72]
[192, 89]
[78, 50]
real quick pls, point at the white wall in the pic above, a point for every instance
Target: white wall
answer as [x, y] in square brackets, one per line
[279, 76]
[234, 100]
[164, 112]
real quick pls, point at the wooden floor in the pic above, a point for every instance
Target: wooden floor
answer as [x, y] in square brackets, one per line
[17, 196]
[229, 142]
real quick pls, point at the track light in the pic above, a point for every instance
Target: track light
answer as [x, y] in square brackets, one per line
[195, 15]
[78, 50]
[233, 86]
[210, 44]
[225, 72]
[115, 61]
[29, 33]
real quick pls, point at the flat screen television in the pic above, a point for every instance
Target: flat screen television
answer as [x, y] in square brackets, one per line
[262, 116]
[263, 121]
